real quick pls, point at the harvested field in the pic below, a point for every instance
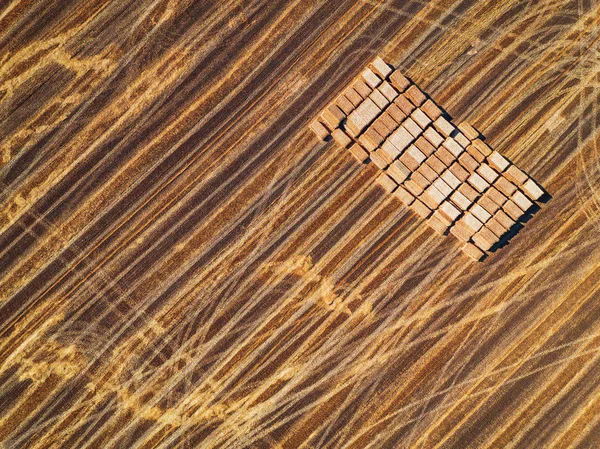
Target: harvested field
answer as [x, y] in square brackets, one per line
[184, 264]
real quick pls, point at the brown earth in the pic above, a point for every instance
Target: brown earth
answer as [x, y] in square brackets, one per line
[183, 264]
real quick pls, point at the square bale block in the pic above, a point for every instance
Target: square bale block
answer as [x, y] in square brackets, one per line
[381, 68]
[388, 91]
[411, 126]
[320, 130]
[415, 95]
[532, 190]
[420, 209]
[473, 252]
[399, 81]
[444, 126]
[359, 153]
[370, 78]
[468, 130]
[431, 109]
[480, 213]
[404, 195]
[388, 184]
[404, 104]
[498, 162]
